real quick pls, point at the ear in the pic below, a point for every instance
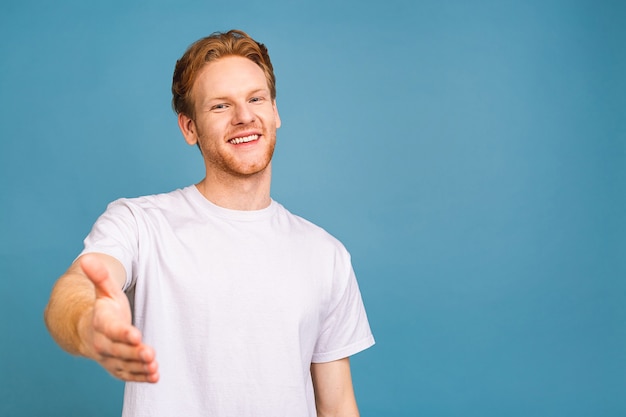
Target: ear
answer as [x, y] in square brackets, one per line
[276, 115]
[188, 128]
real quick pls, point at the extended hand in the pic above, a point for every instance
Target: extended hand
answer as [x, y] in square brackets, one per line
[110, 338]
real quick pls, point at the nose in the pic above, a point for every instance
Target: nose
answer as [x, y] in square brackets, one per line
[243, 114]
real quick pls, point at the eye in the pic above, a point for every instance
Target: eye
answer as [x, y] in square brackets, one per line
[256, 99]
[218, 107]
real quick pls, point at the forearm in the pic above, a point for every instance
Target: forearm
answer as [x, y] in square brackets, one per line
[347, 409]
[69, 310]
[88, 314]
[69, 314]
[352, 412]
[334, 393]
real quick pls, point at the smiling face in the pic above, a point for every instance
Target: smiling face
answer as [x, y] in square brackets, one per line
[235, 118]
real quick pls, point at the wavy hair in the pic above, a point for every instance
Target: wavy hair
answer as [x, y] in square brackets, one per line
[212, 48]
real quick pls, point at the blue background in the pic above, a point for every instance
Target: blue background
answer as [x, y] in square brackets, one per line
[470, 155]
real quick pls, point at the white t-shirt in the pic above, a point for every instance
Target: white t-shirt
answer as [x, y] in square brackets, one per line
[236, 304]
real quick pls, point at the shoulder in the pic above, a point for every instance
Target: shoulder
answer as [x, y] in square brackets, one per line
[309, 231]
[164, 201]
[171, 207]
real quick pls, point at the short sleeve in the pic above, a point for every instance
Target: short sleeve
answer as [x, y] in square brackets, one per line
[115, 234]
[345, 329]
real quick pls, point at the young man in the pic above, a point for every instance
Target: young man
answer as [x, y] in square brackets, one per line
[251, 310]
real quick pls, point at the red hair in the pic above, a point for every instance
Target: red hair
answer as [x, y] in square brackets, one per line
[212, 48]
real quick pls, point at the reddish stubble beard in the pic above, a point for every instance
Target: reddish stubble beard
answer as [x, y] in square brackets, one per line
[236, 161]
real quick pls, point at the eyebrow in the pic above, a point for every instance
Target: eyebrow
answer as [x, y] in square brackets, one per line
[251, 93]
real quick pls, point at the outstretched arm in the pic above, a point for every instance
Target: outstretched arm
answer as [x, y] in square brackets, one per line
[88, 314]
[334, 394]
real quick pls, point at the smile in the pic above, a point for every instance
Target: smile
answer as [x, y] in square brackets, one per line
[245, 139]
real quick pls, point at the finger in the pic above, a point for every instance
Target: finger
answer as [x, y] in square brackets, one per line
[109, 328]
[130, 377]
[140, 353]
[151, 378]
[98, 274]
[132, 366]
[132, 370]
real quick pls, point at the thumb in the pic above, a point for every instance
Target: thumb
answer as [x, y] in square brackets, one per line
[99, 275]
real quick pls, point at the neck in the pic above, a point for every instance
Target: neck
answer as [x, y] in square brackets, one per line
[237, 193]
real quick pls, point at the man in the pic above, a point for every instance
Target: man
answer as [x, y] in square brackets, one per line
[251, 310]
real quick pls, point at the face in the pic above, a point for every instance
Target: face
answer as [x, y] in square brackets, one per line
[235, 117]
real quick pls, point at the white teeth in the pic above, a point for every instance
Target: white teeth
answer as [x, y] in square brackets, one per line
[250, 138]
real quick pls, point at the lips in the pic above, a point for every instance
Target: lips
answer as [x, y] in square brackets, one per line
[244, 139]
